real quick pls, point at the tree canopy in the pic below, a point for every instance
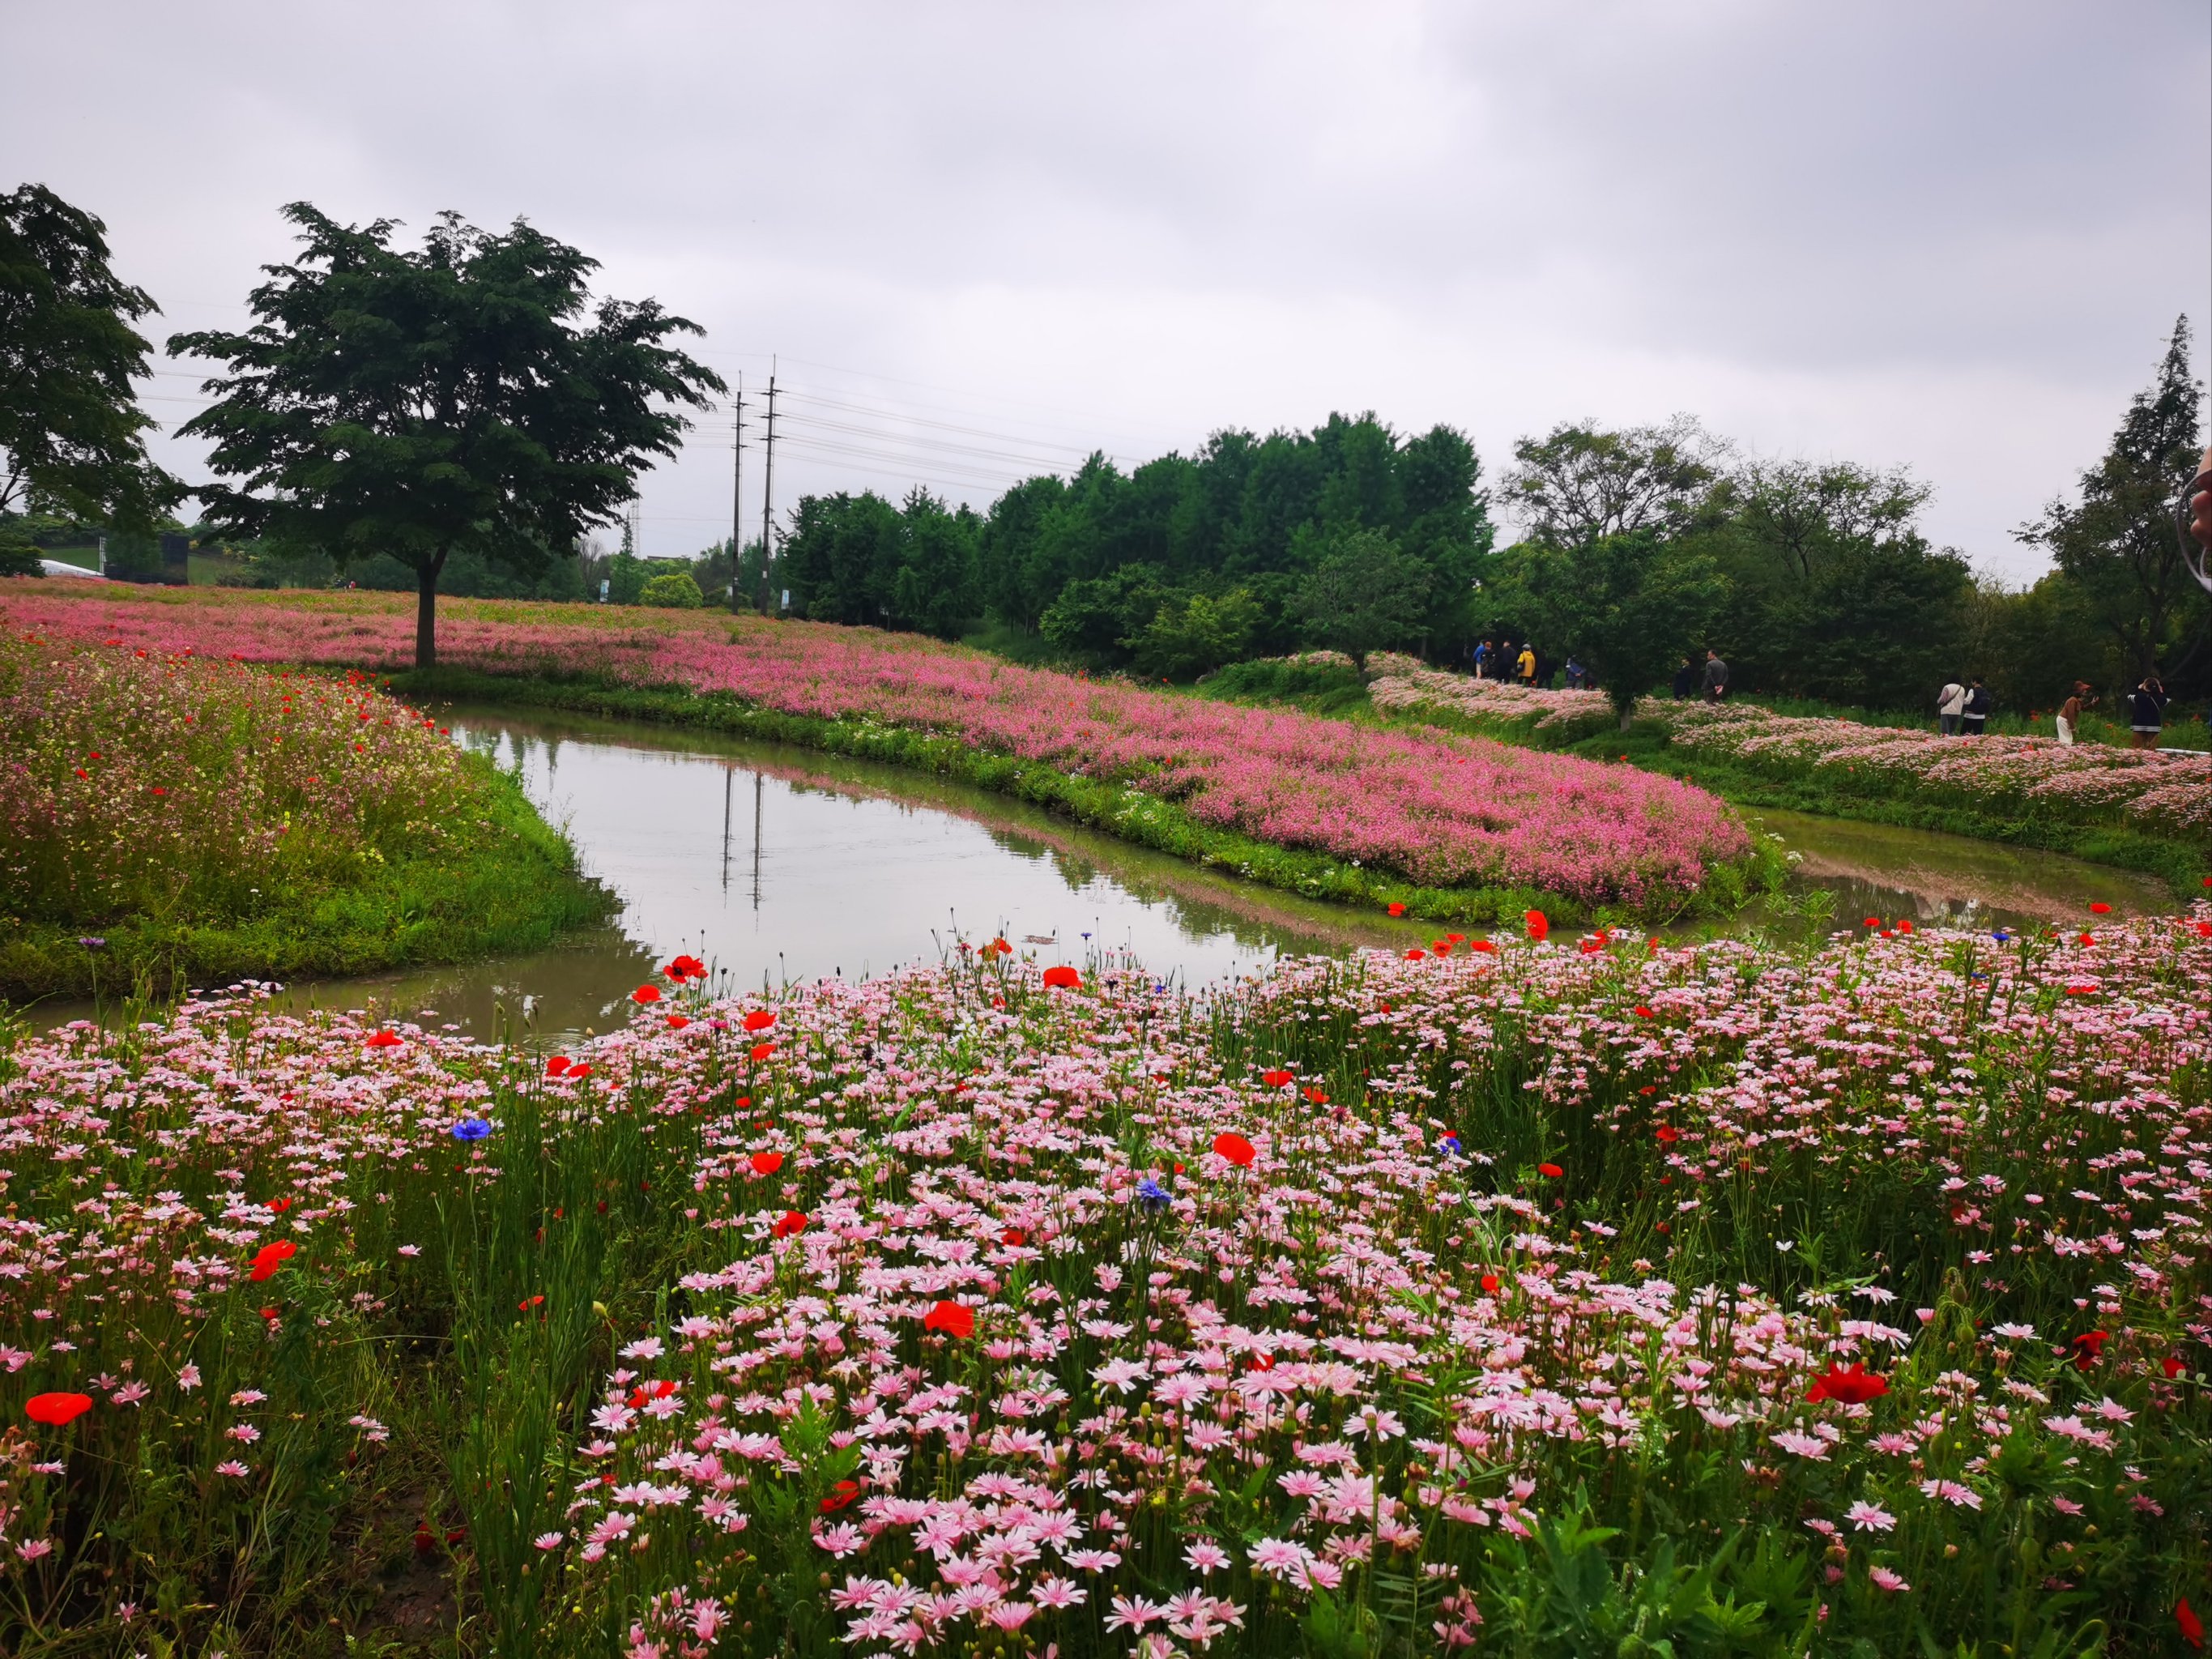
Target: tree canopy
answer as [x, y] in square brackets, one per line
[72, 435]
[412, 403]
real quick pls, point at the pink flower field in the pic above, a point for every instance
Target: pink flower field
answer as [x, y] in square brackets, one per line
[1440, 810]
[1851, 1300]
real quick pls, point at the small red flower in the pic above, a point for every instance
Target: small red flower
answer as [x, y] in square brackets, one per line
[685, 967]
[766, 1164]
[762, 1050]
[1550, 1171]
[277, 1206]
[1905, 925]
[2088, 1349]
[1415, 954]
[56, 1409]
[1275, 1080]
[1064, 977]
[1538, 927]
[646, 993]
[951, 1318]
[528, 1302]
[1317, 1096]
[1398, 909]
[1483, 945]
[577, 1072]
[1641, 1012]
[840, 1495]
[793, 1221]
[1669, 1134]
[678, 1022]
[1489, 1283]
[1234, 1147]
[1013, 1236]
[1854, 1387]
[759, 1020]
[2192, 1627]
[385, 1040]
[270, 1257]
[2175, 1365]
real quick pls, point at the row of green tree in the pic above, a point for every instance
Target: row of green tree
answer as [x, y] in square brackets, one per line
[1641, 547]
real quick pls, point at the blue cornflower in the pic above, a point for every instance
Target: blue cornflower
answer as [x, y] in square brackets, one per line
[1151, 1194]
[471, 1128]
[1450, 1144]
[2002, 937]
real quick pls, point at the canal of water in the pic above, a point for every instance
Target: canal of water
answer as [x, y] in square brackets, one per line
[775, 864]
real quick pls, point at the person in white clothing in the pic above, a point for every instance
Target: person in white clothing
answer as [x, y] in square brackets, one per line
[2069, 713]
[1950, 704]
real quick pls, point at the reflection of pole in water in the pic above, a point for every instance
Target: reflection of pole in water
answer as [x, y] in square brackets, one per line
[725, 828]
[756, 833]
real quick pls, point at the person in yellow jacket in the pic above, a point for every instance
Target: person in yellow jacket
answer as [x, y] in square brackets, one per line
[1524, 669]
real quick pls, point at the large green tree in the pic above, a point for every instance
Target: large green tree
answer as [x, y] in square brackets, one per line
[72, 436]
[1580, 483]
[1631, 606]
[464, 394]
[2121, 543]
[1365, 593]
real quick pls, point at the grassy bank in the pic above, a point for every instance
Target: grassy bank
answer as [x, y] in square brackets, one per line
[171, 822]
[1131, 815]
[1868, 797]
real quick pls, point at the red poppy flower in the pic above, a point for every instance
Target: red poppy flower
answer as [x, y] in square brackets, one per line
[2175, 1365]
[1905, 925]
[1484, 945]
[1669, 1134]
[761, 1051]
[1874, 921]
[685, 967]
[646, 1393]
[1275, 1080]
[2088, 938]
[576, 1072]
[2192, 1627]
[2081, 990]
[1854, 1387]
[1590, 947]
[1643, 1012]
[1261, 1362]
[840, 1495]
[1415, 954]
[2088, 1349]
[793, 1221]
[1550, 1171]
[1319, 1096]
[1064, 977]
[1538, 927]
[1013, 1236]
[646, 993]
[385, 1040]
[1456, 938]
[2204, 929]
[1489, 1283]
[951, 1318]
[1000, 946]
[766, 1164]
[528, 1302]
[1397, 909]
[1234, 1147]
[269, 1313]
[56, 1409]
[277, 1206]
[270, 1257]
[2100, 909]
[759, 1020]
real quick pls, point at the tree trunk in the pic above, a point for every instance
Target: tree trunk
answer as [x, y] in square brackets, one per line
[426, 610]
[1626, 715]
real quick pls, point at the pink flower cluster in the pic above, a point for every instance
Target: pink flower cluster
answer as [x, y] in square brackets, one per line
[1445, 811]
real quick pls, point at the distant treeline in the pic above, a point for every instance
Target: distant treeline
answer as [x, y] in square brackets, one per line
[1814, 580]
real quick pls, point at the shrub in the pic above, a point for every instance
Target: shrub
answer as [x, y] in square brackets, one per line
[674, 590]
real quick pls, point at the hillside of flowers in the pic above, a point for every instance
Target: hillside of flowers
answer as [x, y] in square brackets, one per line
[1444, 811]
[164, 814]
[2002, 775]
[1535, 1296]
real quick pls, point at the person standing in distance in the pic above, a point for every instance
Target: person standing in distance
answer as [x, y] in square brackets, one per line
[1950, 705]
[2146, 713]
[1976, 713]
[1715, 683]
[2069, 713]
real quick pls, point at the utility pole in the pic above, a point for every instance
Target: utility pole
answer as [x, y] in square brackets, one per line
[737, 497]
[767, 495]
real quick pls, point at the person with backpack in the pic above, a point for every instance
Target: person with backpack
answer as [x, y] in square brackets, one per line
[1976, 711]
[2146, 712]
[1950, 708]
[1525, 669]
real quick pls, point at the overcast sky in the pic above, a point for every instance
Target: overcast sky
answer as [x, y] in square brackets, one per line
[983, 240]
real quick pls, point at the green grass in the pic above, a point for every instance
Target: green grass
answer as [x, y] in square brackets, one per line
[518, 889]
[1130, 815]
